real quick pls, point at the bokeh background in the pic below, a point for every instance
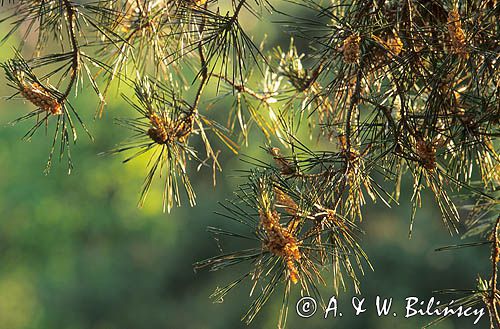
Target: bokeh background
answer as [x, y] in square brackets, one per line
[76, 252]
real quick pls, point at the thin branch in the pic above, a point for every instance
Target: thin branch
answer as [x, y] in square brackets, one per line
[75, 64]
[263, 97]
[203, 67]
[495, 255]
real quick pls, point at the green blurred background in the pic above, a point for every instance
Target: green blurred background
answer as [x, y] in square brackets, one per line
[76, 252]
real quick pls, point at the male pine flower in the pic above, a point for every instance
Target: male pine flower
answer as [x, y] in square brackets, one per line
[39, 97]
[280, 241]
[351, 48]
[456, 34]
